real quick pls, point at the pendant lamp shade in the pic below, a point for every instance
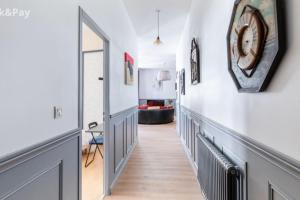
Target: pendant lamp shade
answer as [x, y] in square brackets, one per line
[164, 75]
[158, 42]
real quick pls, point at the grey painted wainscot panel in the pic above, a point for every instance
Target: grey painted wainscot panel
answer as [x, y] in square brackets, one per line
[267, 174]
[49, 171]
[177, 117]
[122, 139]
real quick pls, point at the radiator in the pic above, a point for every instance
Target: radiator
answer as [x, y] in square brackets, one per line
[217, 176]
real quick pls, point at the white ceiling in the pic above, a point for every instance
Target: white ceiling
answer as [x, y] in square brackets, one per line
[172, 20]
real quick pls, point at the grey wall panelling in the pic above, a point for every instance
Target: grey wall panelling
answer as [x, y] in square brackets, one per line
[268, 175]
[49, 171]
[178, 118]
[122, 139]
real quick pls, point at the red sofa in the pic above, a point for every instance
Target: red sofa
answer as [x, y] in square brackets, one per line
[155, 112]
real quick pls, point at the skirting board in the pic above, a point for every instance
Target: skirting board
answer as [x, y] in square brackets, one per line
[270, 175]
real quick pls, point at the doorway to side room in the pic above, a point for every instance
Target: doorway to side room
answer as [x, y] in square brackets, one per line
[94, 94]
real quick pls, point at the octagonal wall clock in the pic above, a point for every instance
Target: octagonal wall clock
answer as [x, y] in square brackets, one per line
[255, 43]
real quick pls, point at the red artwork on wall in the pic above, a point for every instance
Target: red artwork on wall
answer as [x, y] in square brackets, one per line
[129, 64]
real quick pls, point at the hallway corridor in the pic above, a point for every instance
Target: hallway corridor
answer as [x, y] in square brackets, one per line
[158, 169]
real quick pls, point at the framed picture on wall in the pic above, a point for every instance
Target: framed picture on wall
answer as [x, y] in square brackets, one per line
[182, 81]
[129, 64]
[195, 63]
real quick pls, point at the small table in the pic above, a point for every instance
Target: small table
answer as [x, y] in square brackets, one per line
[97, 129]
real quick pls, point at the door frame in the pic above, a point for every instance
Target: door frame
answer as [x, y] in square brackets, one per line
[84, 18]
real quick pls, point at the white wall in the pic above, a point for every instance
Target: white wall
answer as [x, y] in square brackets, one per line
[111, 16]
[39, 67]
[148, 85]
[272, 117]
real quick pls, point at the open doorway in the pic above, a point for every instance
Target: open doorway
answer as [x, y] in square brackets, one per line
[94, 107]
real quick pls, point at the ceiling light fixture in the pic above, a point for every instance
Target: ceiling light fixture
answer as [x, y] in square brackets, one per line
[163, 75]
[158, 41]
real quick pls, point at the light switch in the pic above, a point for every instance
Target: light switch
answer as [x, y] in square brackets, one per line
[57, 112]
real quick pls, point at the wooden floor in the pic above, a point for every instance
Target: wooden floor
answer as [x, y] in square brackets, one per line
[92, 178]
[158, 169]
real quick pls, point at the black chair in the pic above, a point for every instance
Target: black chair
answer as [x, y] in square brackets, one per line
[96, 140]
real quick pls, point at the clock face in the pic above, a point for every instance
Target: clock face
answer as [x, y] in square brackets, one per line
[248, 38]
[255, 43]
